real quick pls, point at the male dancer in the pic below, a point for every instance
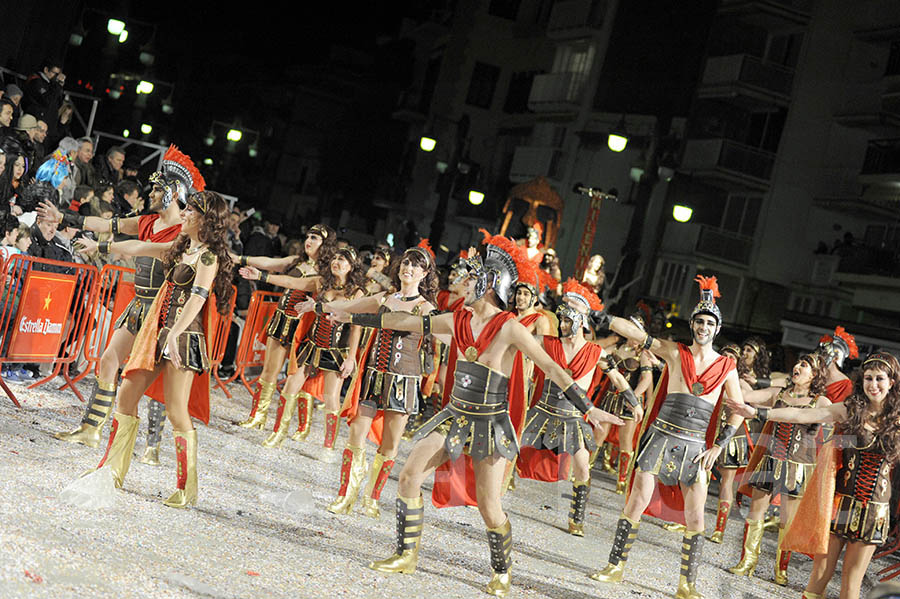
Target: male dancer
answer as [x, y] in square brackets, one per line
[673, 449]
[554, 427]
[835, 349]
[476, 420]
[171, 186]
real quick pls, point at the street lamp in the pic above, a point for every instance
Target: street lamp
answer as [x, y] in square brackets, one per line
[146, 129]
[682, 213]
[123, 36]
[475, 197]
[115, 26]
[427, 144]
[234, 135]
[144, 87]
[126, 133]
[618, 137]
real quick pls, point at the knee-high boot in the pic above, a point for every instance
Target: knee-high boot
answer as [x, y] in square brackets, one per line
[691, 549]
[120, 447]
[305, 403]
[261, 402]
[753, 532]
[782, 559]
[96, 413]
[156, 420]
[624, 463]
[353, 469]
[410, 519]
[721, 521]
[378, 475]
[626, 533]
[186, 460]
[285, 413]
[580, 491]
[500, 542]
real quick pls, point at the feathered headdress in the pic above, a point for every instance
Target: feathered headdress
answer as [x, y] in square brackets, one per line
[503, 261]
[575, 290]
[709, 291]
[842, 342]
[545, 280]
[178, 172]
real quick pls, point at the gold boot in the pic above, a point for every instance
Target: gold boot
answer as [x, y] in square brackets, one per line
[626, 533]
[607, 464]
[260, 411]
[691, 548]
[286, 412]
[156, 418]
[721, 521]
[782, 559]
[811, 595]
[332, 419]
[624, 463]
[120, 447]
[410, 519]
[304, 416]
[753, 532]
[353, 469]
[378, 475]
[580, 490]
[674, 527]
[95, 416]
[500, 542]
[186, 460]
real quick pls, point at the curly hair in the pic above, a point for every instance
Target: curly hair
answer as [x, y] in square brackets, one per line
[760, 362]
[428, 286]
[819, 370]
[356, 278]
[213, 232]
[887, 424]
[326, 250]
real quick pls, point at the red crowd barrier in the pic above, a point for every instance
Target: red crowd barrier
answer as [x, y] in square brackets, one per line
[45, 307]
[220, 342]
[250, 352]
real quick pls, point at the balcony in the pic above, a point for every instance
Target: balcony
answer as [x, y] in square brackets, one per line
[536, 161]
[746, 80]
[691, 239]
[556, 92]
[882, 163]
[772, 15]
[573, 19]
[872, 274]
[728, 164]
[873, 107]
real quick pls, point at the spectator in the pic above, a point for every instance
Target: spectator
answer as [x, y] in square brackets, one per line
[258, 242]
[110, 167]
[82, 199]
[43, 91]
[126, 200]
[10, 231]
[272, 228]
[11, 184]
[45, 243]
[7, 108]
[84, 170]
[103, 195]
[61, 126]
[14, 93]
[67, 147]
[234, 233]
[26, 139]
[45, 187]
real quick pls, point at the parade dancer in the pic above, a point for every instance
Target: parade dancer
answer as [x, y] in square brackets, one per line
[326, 347]
[782, 461]
[390, 382]
[674, 448]
[284, 326]
[733, 459]
[476, 420]
[836, 348]
[631, 360]
[170, 358]
[378, 276]
[171, 185]
[754, 364]
[848, 498]
[554, 428]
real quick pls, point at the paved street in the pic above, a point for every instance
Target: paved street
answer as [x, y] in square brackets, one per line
[238, 543]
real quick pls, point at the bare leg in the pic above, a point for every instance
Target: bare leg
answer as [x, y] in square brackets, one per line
[726, 485]
[274, 360]
[856, 560]
[394, 425]
[581, 460]
[641, 494]
[626, 436]
[488, 483]
[294, 382]
[360, 426]
[694, 503]
[133, 388]
[115, 354]
[824, 566]
[759, 504]
[177, 385]
[424, 458]
[600, 433]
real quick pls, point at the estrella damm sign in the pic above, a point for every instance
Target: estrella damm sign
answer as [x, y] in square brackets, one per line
[40, 322]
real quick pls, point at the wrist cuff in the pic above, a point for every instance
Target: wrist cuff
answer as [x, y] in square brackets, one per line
[367, 320]
[579, 399]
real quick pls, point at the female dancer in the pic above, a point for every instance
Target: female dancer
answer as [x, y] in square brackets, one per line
[324, 347]
[865, 450]
[636, 365]
[782, 461]
[754, 364]
[172, 341]
[391, 380]
[318, 249]
[378, 278]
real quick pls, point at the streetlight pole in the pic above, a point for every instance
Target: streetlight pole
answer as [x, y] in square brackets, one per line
[448, 184]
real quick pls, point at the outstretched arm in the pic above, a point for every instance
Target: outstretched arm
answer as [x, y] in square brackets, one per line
[824, 415]
[265, 262]
[400, 321]
[130, 247]
[667, 350]
[309, 284]
[126, 226]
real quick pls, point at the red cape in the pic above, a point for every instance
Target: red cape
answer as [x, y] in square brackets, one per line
[838, 391]
[667, 502]
[454, 481]
[543, 464]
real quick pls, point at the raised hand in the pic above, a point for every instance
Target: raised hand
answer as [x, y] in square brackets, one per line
[250, 273]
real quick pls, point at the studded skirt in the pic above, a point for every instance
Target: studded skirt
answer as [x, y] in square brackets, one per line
[614, 403]
[282, 327]
[555, 424]
[390, 391]
[133, 316]
[476, 420]
[678, 435]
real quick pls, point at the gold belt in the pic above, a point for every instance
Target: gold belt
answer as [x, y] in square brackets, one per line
[673, 428]
[502, 407]
[555, 411]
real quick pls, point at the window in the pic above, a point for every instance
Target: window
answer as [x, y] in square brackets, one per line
[505, 9]
[741, 214]
[519, 90]
[431, 77]
[482, 85]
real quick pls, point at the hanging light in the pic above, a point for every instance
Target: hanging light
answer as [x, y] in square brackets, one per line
[618, 136]
[682, 213]
[123, 36]
[208, 161]
[125, 132]
[427, 144]
[475, 197]
[253, 151]
[146, 129]
[115, 26]
[234, 135]
[144, 87]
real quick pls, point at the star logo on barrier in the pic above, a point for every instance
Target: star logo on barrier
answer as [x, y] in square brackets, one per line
[47, 301]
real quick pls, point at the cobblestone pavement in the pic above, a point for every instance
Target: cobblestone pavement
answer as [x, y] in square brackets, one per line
[238, 543]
